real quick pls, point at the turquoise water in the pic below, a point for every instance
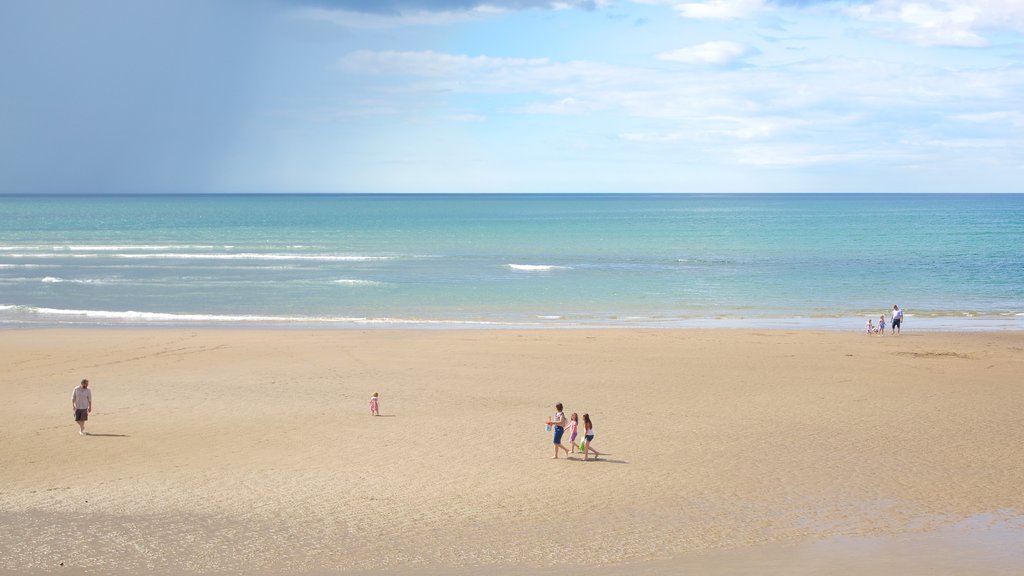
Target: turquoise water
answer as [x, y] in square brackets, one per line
[952, 261]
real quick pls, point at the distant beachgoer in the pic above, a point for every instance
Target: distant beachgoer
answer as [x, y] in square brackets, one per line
[870, 329]
[588, 437]
[897, 319]
[574, 422]
[81, 403]
[558, 421]
[881, 324]
[374, 405]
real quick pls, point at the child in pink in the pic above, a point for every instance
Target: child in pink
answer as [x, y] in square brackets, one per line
[574, 423]
[374, 405]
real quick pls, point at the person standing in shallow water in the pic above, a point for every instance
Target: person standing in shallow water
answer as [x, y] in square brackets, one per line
[81, 403]
[558, 421]
[897, 319]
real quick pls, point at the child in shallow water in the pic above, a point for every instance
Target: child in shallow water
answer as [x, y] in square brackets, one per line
[374, 405]
[870, 329]
[881, 325]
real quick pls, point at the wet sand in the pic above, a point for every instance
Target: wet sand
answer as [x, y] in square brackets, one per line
[729, 452]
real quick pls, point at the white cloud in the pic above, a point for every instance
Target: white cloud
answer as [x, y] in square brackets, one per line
[429, 63]
[1012, 118]
[720, 9]
[437, 71]
[652, 137]
[852, 105]
[943, 22]
[719, 53]
[800, 155]
[466, 118]
[371, 21]
[563, 106]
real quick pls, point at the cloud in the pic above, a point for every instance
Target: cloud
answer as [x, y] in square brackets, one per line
[1013, 118]
[562, 107]
[803, 155]
[652, 137]
[435, 71]
[943, 22]
[373, 20]
[865, 110]
[429, 63]
[720, 53]
[720, 9]
[399, 7]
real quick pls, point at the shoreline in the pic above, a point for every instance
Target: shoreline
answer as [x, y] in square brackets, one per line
[251, 451]
[1004, 322]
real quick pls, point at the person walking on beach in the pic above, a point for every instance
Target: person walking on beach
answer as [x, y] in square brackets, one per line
[588, 437]
[81, 403]
[897, 319]
[374, 405]
[574, 422]
[558, 421]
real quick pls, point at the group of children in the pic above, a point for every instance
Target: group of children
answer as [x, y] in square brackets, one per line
[559, 423]
[897, 319]
[880, 329]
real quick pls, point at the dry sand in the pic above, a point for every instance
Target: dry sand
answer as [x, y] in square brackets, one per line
[729, 452]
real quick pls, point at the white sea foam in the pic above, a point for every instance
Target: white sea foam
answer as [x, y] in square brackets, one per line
[256, 256]
[535, 267]
[213, 256]
[104, 248]
[51, 255]
[356, 282]
[56, 280]
[134, 316]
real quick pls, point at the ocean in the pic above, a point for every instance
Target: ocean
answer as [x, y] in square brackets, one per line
[828, 261]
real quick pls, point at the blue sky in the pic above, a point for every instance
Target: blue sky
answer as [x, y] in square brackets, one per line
[118, 96]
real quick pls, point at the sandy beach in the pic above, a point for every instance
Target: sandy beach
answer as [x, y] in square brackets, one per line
[728, 452]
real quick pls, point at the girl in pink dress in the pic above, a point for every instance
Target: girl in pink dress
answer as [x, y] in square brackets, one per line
[574, 423]
[374, 405]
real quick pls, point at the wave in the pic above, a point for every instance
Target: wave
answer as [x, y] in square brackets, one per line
[536, 267]
[166, 317]
[113, 248]
[707, 261]
[356, 282]
[257, 256]
[103, 248]
[56, 280]
[200, 256]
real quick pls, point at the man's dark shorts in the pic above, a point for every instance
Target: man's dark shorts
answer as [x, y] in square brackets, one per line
[896, 323]
[81, 414]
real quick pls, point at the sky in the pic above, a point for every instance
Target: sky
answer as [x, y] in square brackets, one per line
[275, 96]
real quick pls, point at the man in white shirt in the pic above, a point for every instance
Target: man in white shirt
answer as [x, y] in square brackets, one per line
[81, 402]
[897, 319]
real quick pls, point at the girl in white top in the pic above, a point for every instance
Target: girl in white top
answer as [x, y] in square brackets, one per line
[588, 437]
